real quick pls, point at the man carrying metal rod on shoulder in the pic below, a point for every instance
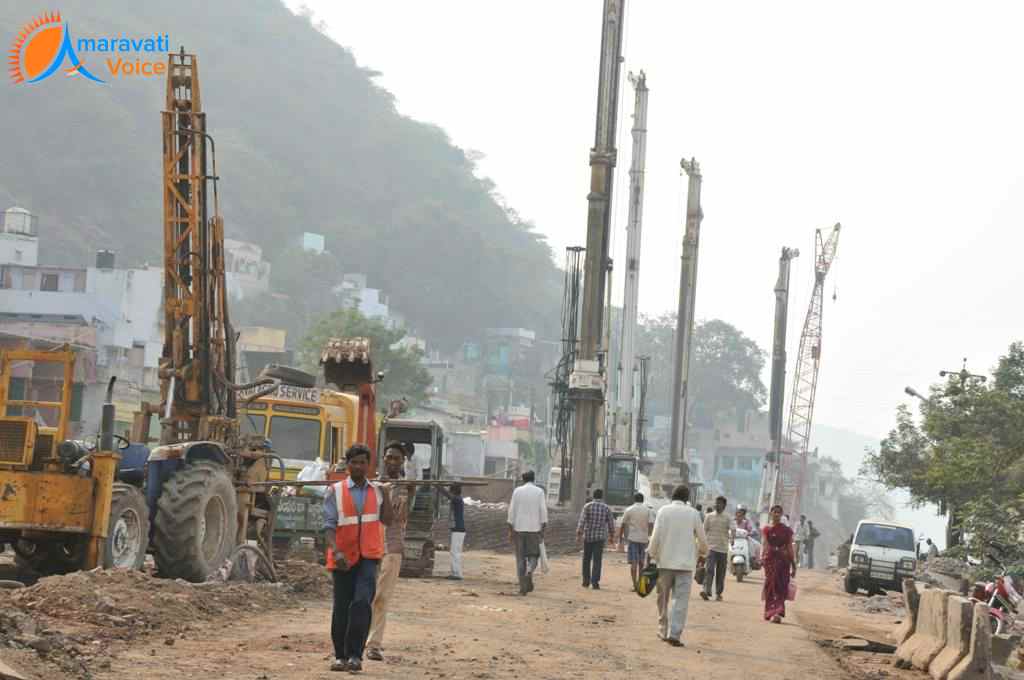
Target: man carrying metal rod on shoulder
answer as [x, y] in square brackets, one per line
[355, 514]
[394, 544]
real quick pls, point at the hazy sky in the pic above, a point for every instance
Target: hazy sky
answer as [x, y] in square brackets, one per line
[900, 120]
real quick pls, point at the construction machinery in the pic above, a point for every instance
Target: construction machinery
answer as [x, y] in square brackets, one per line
[685, 318]
[770, 476]
[805, 378]
[586, 382]
[198, 478]
[423, 441]
[64, 505]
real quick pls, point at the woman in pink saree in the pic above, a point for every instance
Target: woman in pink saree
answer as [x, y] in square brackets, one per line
[779, 562]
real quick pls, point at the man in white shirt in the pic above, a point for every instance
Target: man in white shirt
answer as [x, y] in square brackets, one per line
[636, 530]
[678, 545]
[527, 519]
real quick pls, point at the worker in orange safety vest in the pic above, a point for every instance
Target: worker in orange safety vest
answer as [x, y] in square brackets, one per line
[355, 513]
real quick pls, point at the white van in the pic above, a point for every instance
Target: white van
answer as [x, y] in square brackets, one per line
[882, 555]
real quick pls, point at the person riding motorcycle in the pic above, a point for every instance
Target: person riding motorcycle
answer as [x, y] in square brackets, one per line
[743, 522]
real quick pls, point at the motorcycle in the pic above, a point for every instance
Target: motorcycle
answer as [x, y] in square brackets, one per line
[740, 557]
[1001, 597]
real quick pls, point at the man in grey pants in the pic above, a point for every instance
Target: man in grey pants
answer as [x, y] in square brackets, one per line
[678, 546]
[718, 529]
[527, 519]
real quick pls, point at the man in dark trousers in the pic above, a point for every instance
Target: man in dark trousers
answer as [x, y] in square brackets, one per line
[596, 524]
[355, 513]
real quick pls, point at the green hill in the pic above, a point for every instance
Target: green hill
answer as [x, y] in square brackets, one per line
[306, 141]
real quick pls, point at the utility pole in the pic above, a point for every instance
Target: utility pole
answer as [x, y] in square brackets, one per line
[770, 478]
[586, 383]
[684, 317]
[624, 420]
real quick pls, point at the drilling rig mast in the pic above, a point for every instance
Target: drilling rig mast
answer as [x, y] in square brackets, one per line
[199, 348]
[684, 318]
[770, 476]
[805, 379]
[586, 383]
[628, 393]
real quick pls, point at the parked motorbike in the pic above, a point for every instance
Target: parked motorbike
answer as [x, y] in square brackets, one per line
[740, 555]
[1001, 597]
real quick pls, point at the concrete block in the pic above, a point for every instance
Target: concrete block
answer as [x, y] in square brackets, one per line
[934, 622]
[912, 600]
[958, 638]
[1003, 647]
[977, 665]
[8, 673]
[929, 632]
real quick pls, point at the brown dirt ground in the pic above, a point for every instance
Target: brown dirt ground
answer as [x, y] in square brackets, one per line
[477, 629]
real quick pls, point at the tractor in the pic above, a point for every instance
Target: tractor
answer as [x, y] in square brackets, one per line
[65, 505]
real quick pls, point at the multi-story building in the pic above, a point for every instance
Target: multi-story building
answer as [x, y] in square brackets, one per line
[246, 272]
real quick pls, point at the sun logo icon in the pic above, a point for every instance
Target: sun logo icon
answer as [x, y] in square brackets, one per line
[41, 48]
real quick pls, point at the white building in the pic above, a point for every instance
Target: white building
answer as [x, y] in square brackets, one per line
[247, 273]
[370, 302]
[313, 243]
[19, 243]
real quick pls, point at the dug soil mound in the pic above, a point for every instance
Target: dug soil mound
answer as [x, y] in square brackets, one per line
[64, 626]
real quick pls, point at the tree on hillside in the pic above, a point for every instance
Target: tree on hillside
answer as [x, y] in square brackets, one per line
[966, 455]
[327, 153]
[726, 367]
[404, 376]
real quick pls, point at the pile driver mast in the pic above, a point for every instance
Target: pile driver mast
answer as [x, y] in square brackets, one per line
[625, 424]
[685, 317]
[805, 378]
[770, 476]
[586, 383]
[197, 365]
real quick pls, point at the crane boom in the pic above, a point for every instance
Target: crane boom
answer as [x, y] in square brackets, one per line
[805, 377]
[197, 363]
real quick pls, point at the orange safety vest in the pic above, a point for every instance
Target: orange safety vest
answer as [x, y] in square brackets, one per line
[358, 535]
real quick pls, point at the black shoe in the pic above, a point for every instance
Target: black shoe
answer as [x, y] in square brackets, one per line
[586, 585]
[374, 655]
[704, 596]
[674, 642]
[339, 666]
[355, 665]
[596, 587]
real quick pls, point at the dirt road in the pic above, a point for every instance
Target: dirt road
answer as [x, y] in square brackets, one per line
[480, 628]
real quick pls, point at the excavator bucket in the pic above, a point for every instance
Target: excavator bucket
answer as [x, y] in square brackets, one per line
[346, 363]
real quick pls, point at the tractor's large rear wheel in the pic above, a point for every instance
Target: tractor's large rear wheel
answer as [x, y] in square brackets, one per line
[128, 536]
[196, 522]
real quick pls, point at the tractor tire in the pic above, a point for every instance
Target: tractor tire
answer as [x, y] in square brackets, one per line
[849, 585]
[289, 375]
[128, 535]
[196, 522]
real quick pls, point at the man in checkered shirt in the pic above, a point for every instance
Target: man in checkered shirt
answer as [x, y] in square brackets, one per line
[596, 525]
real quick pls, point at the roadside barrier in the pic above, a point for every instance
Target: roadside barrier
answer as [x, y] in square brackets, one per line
[958, 638]
[929, 632]
[944, 634]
